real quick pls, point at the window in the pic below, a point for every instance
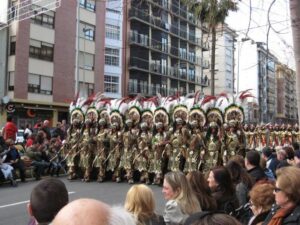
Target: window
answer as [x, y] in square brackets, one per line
[113, 11]
[39, 84]
[112, 56]
[87, 31]
[86, 61]
[41, 50]
[11, 80]
[88, 4]
[12, 48]
[44, 19]
[112, 31]
[86, 89]
[111, 84]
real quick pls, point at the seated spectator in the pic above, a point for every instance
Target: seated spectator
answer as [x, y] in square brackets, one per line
[141, 203]
[211, 218]
[270, 158]
[37, 154]
[7, 172]
[242, 181]
[14, 159]
[181, 201]
[297, 158]
[201, 189]
[252, 164]
[261, 201]
[46, 199]
[92, 212]
[287, 198]
[221, 185]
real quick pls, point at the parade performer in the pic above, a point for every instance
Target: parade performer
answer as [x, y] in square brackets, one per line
[296, 134]
[231, 142]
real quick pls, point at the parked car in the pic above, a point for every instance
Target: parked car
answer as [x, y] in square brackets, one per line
[20, 136]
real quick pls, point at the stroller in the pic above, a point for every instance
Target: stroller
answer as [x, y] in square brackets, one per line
[6, 172]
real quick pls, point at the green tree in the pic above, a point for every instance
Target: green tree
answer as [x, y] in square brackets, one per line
[213, 13]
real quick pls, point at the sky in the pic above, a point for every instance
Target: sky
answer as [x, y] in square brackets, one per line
[280, 36]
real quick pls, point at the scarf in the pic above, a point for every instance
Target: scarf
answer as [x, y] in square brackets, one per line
[280, 214]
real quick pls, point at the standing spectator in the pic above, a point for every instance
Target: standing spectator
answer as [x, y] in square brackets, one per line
[182, 202]
[270, 158]
[64, 126]
[13, 157]
[282, 158]
[30, 140]
[261, 201]
[252, 164]
[201, 190]
[241, 179]
[27, 132]
[10, 129]
[46, 129]
[58, 132]
[220, 183]
[141, 203]
[46, 199]
[287, 198]
[297, 158]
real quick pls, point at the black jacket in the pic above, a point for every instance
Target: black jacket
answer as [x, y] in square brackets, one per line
[257, 173]
[260, 218]
[291, 219]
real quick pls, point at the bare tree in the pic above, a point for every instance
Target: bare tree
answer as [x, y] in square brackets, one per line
[295, 17]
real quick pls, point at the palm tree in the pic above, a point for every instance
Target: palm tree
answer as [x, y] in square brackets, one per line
[295, 17]
[213, 13]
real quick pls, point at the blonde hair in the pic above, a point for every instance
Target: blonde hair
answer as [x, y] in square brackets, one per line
[186, 198]
[140, 202]
[289, 182]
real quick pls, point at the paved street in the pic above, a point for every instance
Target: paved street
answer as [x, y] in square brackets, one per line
[13, 200]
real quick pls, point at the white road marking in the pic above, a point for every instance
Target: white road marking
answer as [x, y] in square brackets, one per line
[24, 202]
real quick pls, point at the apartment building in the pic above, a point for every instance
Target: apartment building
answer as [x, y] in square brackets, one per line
[52, 56]
[164, 51]
[286, 95]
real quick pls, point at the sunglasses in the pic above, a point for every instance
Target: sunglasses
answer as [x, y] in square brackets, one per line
[277, 189]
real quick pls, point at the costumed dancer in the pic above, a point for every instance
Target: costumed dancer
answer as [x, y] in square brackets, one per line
[296, 134]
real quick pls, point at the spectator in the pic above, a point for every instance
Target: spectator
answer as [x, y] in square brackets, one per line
[242, 181]
[220, 183]
[46, 199]
[30, 140]
[37, 154]
[46, 129]
[202, 191]
[141, 203]
[239, 159]
[282, 158]
[290, 153]
[270, 159]
[287, 198]
[297, 158]
[252, 164]
[92, 212]
[64, 126]
[261, 201]
[7, 172]
[14, 159]
[268, 172]
[10, 129]
[28, 131]
[182, 202]
[59, 132]
[211, 218]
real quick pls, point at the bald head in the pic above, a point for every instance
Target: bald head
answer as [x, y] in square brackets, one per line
[83, 211]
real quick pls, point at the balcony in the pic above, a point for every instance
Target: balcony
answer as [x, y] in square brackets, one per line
[135, 88]
[138, 13]
[138, 63]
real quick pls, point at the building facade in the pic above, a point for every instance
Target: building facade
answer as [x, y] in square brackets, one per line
[164, 51]
[286, 95]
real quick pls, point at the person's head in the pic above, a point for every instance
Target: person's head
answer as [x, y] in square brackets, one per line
[289, 152]
[211, 218]
[219, 179]
[46, 123]
[252, 159]
[287, 188]
[201, 189]
[296, 146]
[281, 154]
[58, 125]
[266, 152]
[90, 211]
[46, 199]
[238, 173]
[140, 202]
[261, 198]
[297, 157]
[176, 187]
[239, 159]
[9, 142]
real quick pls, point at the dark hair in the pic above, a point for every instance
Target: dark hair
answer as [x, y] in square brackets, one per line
[211, 218]
[239, 174]
[289, 152]
[267, 152]
[9, 118]
[223, 178]
[47, 198]
[201, 189]
[296, 146]
[253, 157]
